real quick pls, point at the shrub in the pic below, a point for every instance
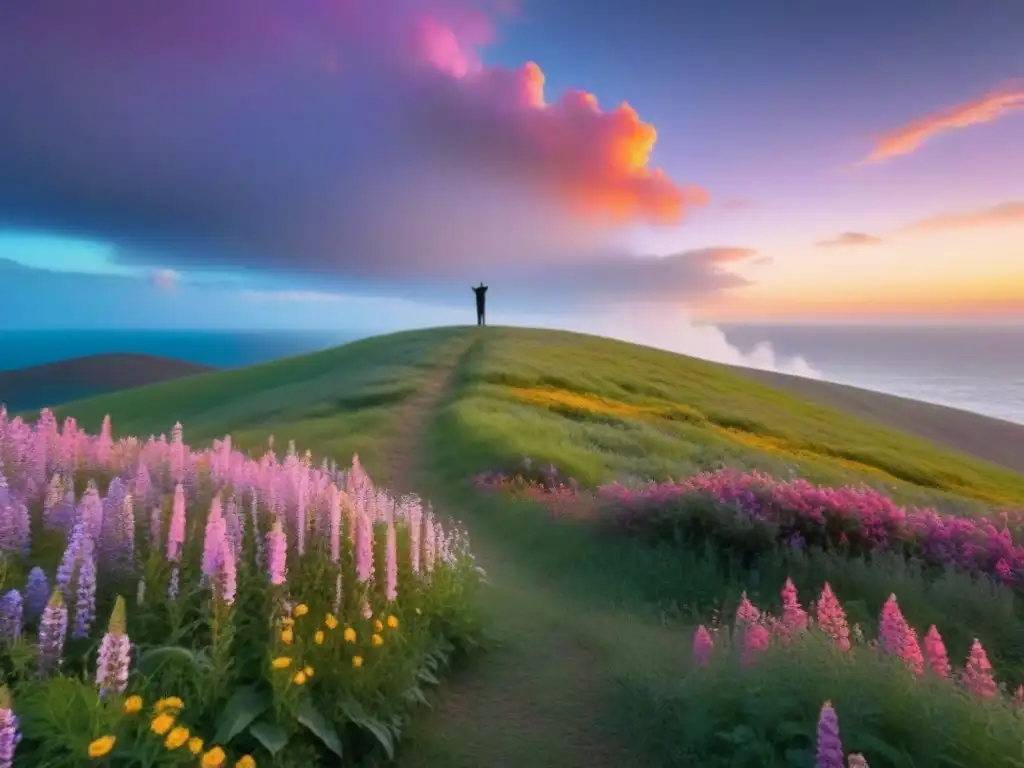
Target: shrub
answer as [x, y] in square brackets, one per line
[260, 610]
[754, 696]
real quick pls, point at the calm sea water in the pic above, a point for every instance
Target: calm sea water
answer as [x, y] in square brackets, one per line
[974, 368]
[220, 349]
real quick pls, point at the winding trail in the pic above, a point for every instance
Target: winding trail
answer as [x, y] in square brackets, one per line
[538, 698]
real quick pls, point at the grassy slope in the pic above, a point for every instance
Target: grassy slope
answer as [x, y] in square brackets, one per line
[569, 615]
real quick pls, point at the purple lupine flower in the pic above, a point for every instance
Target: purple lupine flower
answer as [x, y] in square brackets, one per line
[36, 592]
[391, 565]
[90, 511]
[233, 526]
[114, 659]
[85, 596]
[10, 616]
[172, 585]
[830, 747]
[69, 562]
[9, 736]
[176, 533]
[277, 554]
[53, 628]
[117, 546]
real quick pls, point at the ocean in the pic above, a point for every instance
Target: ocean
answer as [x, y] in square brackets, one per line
[973, 368]
[979, 369]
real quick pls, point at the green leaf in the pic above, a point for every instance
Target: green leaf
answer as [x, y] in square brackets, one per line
[311, 717]
[244, 706]
[378, 729]
[272, 737]
[166, 654]
[415, 695]
[428, 677]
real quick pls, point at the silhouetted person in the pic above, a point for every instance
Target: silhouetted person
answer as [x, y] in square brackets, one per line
[481, 301]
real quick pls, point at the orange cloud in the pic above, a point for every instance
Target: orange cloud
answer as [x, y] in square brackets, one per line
[849, 238]
[911, 136]
[1005, 213]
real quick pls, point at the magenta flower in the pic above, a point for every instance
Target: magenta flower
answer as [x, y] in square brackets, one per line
[364, 548]
[216, 532]
[832, 619]
[277, 554]
[977, 676]
[703, 644]
[830, 746]
[892, 627]
[391, 565]
[794, 617]
[114, 659]
[935, 652]
[227, 575]
[746, 612]
[756, 640]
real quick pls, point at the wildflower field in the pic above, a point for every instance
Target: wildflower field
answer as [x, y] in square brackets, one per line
[700, 499]
[170, 606]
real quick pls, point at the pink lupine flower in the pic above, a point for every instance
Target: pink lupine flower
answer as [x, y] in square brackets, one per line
[277, 553]
[391, 565]
[978, 673]
[935, 652]
[702, 645]
[364, 548]
[176, 534]
[216, 532]
[794, 617]
[857, 760]
[746, 612]
[756, 640]
[334, 513]
[832, 619]
[830, 746]
[892, 627]
[115, 653]
[911, 652]
[227, 575]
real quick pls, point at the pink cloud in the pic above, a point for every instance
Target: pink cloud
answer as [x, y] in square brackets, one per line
[849, 238]
[911, 136]
[997, 215]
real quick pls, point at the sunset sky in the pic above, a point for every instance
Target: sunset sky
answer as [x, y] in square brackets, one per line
[361, 163]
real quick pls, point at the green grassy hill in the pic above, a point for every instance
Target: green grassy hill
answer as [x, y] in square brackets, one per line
[580, 620]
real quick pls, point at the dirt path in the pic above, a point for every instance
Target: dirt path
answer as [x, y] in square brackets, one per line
[537, 698]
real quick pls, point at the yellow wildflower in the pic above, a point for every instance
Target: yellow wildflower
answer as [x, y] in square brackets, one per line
[393, 622]
[308, 670]
[357, 661]
[213, 759]
[101, 746]
[287, 636]
[418, 611]
[281, 662]
[287, 621]
[349, 635]
[377, 626]
[331, 622]
[169, 704]
[377, 640]
[161, 724]
[132, 705]
[318, 637]
[176, 738]
[195, 745]
[300, 678]
[246, 761]
[301, 609]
